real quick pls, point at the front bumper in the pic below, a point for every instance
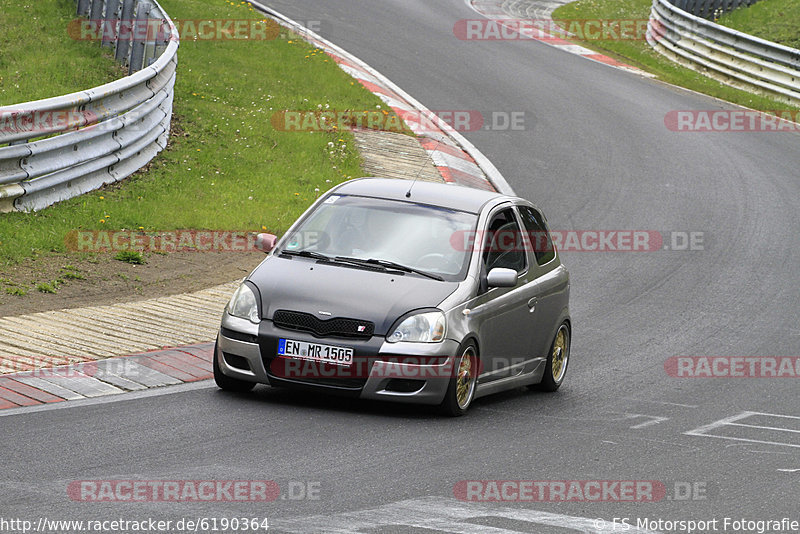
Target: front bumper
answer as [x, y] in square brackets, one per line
[401, 372]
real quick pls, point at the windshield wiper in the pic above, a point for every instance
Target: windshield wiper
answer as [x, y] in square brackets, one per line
[307, 254]
[389, 265]
[385, 264]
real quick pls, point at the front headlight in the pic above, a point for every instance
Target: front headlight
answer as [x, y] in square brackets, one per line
[426, 327]
[243, 304]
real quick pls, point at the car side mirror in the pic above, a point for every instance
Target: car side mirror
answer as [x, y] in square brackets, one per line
[502, 277]
[266, 242]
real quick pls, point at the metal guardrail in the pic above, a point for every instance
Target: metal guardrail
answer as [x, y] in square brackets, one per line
[733, 57]
[61, 147]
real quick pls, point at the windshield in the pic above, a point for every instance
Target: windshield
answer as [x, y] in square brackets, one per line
[413, 235]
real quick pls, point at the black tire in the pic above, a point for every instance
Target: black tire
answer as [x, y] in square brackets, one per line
[227, 383]
[461, 390]
[557, 360]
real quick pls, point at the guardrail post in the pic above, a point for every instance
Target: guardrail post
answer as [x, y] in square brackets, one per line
[154, 27]
[96, 11]
[123, 52]
[111, 22]
[162, 41]
[138, 44]
[83, 8]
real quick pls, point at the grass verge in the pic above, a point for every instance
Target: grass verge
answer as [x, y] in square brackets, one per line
[774, 20]
[640, 54]
[30, 32]
[226, 168]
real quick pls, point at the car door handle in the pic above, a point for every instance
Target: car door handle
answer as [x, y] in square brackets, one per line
[532, 304]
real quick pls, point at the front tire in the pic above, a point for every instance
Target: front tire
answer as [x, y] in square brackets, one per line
[557, 360]
[228, 383]
[461, 390]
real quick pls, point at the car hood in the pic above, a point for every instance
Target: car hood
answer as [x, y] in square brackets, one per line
[303, 285]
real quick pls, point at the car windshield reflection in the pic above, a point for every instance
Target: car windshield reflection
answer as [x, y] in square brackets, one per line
[418, 237]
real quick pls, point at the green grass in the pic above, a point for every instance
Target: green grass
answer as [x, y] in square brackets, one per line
[130, 256]
[226, 167]
[30, 69]
[17, 291]
[48, 287]
[774, 20]
[640, 54]
[13, 288]
[69, 272]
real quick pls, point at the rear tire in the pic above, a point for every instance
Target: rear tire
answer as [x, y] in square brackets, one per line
[227, 383]
[557, 360]
[461, 390]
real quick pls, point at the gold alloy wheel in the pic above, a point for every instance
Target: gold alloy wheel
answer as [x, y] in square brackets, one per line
[465, 379]
[560, 354]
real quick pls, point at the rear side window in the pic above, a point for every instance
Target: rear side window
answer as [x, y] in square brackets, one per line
[504, 243]
[539, 234]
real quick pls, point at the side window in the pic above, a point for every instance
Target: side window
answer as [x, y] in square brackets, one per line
[504, 245]
[538, 235]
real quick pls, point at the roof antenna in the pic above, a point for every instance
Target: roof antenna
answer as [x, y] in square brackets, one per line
[422, 167]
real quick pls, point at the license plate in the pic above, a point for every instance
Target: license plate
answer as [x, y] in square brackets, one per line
[315, 351]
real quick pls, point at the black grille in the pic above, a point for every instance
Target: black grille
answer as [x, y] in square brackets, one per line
[335, 327]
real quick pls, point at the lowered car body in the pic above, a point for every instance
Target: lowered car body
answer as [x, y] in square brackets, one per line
[384, 289]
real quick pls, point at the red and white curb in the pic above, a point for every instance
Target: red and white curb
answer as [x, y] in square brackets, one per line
[107, 377]
[457, 160]
[493, 10]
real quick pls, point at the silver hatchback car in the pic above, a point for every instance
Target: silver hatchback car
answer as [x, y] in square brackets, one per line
[410, 292]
